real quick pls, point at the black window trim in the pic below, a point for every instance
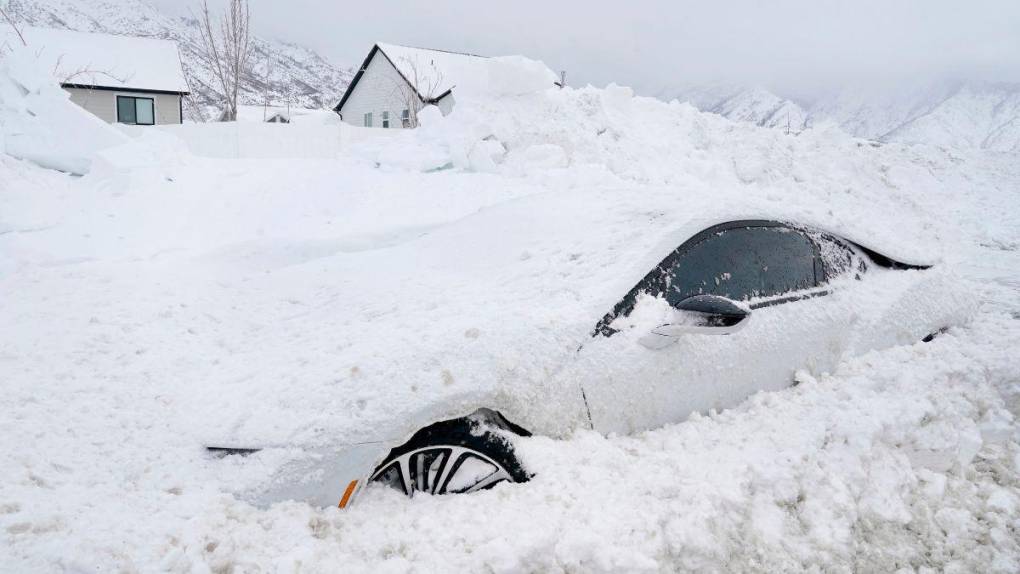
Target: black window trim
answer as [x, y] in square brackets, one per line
[629, 300]
[135, 123]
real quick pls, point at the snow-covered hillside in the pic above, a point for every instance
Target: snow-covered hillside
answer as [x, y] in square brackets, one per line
[755, 105]
[970, 115]
[283, 72]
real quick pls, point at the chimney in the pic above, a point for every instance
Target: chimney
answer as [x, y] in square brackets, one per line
[563, 78]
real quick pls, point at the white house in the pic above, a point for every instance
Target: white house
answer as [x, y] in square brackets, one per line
[122, 79]
[395, 82]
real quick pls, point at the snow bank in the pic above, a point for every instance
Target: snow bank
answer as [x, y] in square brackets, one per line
[879, 195]
[260, 140]
[39, 123]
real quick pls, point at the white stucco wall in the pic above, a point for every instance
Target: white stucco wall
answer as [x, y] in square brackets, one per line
[103, 103]
[378, 91]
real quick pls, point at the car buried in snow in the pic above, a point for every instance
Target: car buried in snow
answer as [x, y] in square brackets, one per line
[719, 310]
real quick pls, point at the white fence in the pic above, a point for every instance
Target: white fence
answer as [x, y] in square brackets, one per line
[264, 140]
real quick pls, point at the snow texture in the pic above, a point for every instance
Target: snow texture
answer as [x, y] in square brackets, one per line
[104, 60]
[471, 75]
[164, 299]
[38, 121]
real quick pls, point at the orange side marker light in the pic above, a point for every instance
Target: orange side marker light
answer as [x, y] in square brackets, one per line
[347, 494]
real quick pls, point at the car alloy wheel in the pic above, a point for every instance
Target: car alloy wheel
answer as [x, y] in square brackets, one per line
[455, 457]
[442, 469]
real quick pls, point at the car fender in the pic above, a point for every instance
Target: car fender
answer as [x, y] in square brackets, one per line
[911, 304]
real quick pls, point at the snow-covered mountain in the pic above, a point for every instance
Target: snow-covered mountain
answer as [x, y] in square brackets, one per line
[756, 105]
[972, 115]
[282, 73]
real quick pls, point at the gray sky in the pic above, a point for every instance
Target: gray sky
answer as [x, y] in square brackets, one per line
[796, 47]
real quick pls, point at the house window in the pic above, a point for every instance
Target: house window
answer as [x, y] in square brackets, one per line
[405, 118]
[385, 119]
[137, 111]
[368, 120]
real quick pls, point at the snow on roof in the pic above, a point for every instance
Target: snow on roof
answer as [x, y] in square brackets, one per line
[436, 72]
[436, 69]
[104, 60]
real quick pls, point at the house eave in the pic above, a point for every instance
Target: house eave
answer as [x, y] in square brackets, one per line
[122, 89]
[361, 71]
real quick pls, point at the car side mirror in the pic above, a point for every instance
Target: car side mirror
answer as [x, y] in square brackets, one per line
[702, 315]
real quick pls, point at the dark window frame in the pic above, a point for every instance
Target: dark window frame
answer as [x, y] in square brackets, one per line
[134, 100]
[652, 282]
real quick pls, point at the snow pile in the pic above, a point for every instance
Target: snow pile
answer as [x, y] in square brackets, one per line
[872, 192]
[508, 76]
[39, 123]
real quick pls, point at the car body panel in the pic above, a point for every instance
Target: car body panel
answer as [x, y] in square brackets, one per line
[631, 388]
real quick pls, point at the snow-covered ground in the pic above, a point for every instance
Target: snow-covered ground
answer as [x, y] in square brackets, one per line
[164, 296]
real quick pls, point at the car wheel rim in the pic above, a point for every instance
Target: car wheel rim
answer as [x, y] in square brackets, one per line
[443, 469]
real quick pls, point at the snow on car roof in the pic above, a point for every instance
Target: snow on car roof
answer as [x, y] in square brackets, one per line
[105, 60]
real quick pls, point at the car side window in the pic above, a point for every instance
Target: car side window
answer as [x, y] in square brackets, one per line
[740, 260]
[744, 263]
[837, 258]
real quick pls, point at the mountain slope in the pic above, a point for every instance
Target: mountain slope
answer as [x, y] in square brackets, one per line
[282, 72]
[755, 105]
[976, 115]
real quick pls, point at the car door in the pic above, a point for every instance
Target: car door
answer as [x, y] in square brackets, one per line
[774, 270]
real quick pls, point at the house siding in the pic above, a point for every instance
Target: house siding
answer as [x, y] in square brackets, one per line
[379, 91]
[103, 103]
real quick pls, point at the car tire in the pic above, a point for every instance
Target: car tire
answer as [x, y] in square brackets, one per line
[455, 456]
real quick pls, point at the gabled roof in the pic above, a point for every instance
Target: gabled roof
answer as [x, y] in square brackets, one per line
[437, 69]
[106, 61]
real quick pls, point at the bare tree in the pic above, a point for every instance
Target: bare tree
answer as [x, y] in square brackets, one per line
[69, 76]
[421, 88]
[227, 50]
[10, 21]
[88, 72]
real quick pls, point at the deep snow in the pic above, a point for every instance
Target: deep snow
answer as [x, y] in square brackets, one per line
[165, 298]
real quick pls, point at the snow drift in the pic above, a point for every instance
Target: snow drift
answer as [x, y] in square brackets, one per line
[39, 123]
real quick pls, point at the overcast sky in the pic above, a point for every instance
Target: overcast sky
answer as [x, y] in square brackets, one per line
[796, 47]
